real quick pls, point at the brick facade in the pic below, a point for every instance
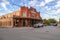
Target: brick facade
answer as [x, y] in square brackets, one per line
[21, 18]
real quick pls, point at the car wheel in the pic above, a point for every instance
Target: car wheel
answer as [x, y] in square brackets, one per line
[42, 25]
[38, 26]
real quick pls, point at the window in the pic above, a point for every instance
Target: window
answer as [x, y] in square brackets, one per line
[32, 11]
[37, 16]
[7, 16]
[4, 17]
[29, 15]
[24, 14]
[33, 15]
[17, 20]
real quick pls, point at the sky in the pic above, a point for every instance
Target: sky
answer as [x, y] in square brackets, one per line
[47, 8]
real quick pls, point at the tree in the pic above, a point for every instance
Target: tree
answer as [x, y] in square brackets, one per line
[52, 20]
[46, 21]
[49, 21]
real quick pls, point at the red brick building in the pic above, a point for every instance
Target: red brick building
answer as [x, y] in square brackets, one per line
[24, 17]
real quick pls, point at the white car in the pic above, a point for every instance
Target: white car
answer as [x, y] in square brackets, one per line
[38, 25]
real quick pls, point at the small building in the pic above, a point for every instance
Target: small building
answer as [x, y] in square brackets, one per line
[25, 17]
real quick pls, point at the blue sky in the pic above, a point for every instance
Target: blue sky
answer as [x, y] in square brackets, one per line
[47, 8]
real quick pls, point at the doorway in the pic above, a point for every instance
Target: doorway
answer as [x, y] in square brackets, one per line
[24, 23]
[16, 22]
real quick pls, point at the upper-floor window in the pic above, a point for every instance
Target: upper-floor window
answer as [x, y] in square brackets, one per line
[29, 15]
[24, 14]
[33, 15]
[32, 11]
[37, 16]
[3, 17]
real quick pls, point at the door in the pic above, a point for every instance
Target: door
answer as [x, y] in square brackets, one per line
[16, 23]
[24, 23]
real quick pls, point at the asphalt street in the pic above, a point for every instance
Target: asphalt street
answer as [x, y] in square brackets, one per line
[30, 33]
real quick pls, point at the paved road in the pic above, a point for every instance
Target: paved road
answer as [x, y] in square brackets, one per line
[45, 33]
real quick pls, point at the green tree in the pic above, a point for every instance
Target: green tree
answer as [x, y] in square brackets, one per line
[52, 20]
[46, 21]
[49, 21]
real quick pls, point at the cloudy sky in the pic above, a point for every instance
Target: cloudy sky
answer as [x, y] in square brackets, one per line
[47, 8]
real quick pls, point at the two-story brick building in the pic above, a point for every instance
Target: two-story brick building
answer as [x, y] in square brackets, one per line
[21, 18]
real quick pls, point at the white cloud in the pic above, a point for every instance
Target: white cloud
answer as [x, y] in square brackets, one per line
[56, 11]
[55, 17]
[33, 2]
[42, 3]
[1, 14]
[47, 1]
[58, 4]
[4, 3]
[47, 8]
[4, 6]
[47, 16]
[0, 9]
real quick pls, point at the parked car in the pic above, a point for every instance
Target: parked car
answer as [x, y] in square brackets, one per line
[53, 24]
[38, 25]
[45, 24]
